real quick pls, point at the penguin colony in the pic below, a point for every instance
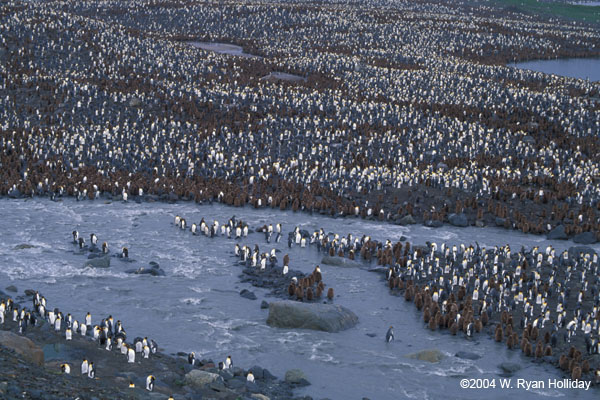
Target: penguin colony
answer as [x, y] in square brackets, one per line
[543, 302]
[105, 99]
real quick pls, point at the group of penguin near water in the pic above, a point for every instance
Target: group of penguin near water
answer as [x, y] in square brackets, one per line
[231, 140]
[109, 335]
[538, 300]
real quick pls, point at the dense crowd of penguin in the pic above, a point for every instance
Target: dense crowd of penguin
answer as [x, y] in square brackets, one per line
[538, 300]
[106, 99]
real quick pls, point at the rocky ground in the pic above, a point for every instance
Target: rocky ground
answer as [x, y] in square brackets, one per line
[30, 368]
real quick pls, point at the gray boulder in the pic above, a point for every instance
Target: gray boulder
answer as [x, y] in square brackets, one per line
[458, 220]
[99, 262]
[245, 293]
[467, 355]
[433, 223]
[585, 238]
[296, 376]
[407, 220]
[11, 288]
[509, 367]
[574, 251]
[22, 346]
[338, 262]
[557, 233]
[198, 378]
[316, 316]
[432, 356]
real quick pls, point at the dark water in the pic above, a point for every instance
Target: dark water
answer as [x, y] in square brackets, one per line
[197, 306]
[581, 68]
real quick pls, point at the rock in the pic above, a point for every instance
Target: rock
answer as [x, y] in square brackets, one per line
[245, 293]
[499, 221]
[442, 166]
[458, 220]
[23, 246]
[11, 288]
[557, 233]
[468, 355]
[585, 238]
[29, 292]
[198, 378]
[295, 376]
[100, 262]
[432, 356]
[433, 223]
[154, 270]
[257, 371]
[322, 317]
[259, 396]
[22, 346]
[268, 375]
[480, 223]
[264, 305]
[407, 220]
[338, 262]
[509, 367]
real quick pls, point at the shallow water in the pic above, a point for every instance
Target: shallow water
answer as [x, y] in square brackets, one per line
[581, 68]
[197, 306]
[223, 48]
[586, 3]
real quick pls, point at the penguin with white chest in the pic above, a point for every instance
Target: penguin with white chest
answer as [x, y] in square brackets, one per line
[150, 383]
[389, 336]
[131, 355]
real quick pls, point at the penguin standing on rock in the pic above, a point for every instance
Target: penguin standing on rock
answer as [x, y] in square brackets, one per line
[389, 336]
[65, 368]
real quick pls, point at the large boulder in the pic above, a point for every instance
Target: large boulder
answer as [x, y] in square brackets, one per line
[296, 377]
[338, 262]
[198, 378]
[458, 220]
[320, 317]
[432, 356]
[557, 233]
[585, 238]
[407, 220]
[99, 262]
[22, 346]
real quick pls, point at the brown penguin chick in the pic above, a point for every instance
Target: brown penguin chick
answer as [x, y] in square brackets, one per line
[330, 293]
[504, 317]
[563, 362]
[539, 349]
[441, 322]
[454, 328]
[508, 330]
[478, 326]
[571, 352]
[318, 292]
[509, 342]
[548, 351]
[426, 315]
[392, 283]
[408, 294]
[400, 283]
[331, 252]
[529, 350]
[433, 323]
[286, 260]
[309, 294]
[419, 301]
[576, 374]
[321, 285]
[577, 355]
[299, 293]
[484, 318]
[351, 255]
[547, 337]
[585, 366]
[524, 343]
[525, 334]
[498, 335]
[291, 289]
[534, 333]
